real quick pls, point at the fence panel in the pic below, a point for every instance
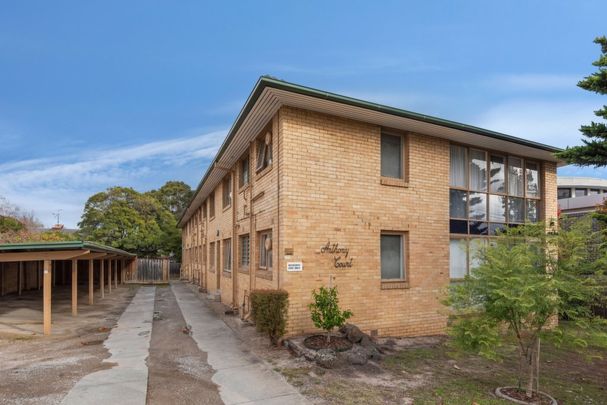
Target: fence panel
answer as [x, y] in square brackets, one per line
[154, 270]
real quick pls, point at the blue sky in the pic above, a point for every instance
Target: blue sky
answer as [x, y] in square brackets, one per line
[95, 94]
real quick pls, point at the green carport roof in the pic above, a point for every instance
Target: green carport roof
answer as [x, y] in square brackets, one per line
[63, 245]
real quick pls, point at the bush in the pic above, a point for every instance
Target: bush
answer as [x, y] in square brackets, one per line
[325, 310]
[269, 311]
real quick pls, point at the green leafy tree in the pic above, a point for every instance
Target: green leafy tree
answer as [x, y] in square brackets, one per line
[325, 310]
[124, 218]
[594, 150]
[174, 196]
[527, 279]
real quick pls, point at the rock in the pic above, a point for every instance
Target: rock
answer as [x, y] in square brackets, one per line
[326, 358]
[357, 356]
[366, 341]
[352, 333]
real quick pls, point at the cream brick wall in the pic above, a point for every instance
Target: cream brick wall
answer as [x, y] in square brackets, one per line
[324, 185]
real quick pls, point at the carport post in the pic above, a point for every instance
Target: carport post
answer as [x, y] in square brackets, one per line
[74, 287]
[91, 288]
[115, 273]
[20, 277]
[46, 296]
[109, 276]
[101, 277]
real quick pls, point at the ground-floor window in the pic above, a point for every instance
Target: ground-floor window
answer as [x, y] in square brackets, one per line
[227, 255]
[464, 256]
[212, 256]
[243, 247]
[265, 250]
[393, 256]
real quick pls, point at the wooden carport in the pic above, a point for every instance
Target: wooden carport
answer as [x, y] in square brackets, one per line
[46, 255]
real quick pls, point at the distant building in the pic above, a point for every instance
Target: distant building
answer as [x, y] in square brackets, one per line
[578, 196]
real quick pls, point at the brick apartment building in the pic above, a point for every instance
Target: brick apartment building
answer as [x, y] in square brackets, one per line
[311, 188]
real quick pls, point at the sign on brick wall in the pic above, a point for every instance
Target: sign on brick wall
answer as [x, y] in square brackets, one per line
[339, 253]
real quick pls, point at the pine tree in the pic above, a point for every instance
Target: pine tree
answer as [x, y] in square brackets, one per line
[594, 150]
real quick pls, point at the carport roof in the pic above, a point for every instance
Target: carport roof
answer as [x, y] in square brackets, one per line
[63, 245]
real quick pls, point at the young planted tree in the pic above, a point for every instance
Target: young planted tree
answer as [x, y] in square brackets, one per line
[527, 280]
[325, 310]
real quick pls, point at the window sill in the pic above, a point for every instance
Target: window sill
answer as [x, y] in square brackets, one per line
[226, 274]
[211, 218]
[265, 274]
[264, 171]
[393, 182]
[227, 207]
[394, 284]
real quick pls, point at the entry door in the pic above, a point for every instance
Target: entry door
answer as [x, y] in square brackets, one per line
[219, 269]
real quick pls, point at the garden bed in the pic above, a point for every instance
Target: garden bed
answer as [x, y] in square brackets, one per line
[319, 342]
[519, 396]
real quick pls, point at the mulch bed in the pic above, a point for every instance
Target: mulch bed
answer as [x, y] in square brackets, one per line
[537, 398]
[317, 342]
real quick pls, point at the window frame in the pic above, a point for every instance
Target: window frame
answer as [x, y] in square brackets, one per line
[263, 159]
[403, 155]
[227, 261]
[241, 245]
[211, 205]
[226, 192]
[263, 253]
[212, 256]
[245, 162]
[404, 252]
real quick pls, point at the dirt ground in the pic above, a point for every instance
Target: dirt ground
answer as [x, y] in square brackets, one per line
[427, 371]
[178, 370]
[41, 370]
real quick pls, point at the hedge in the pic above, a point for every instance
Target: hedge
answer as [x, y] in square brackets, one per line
[269, 311]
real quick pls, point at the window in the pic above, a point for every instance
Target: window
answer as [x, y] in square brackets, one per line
[212, 205]
[204, 210]
[244, 248]
[490, 191]
[594, 191]
[212, 256]
[580, 192]
[392, 257]
[564, 193]
[265, 250]
[243, 175]
[226, 190]
[264, 152]
[464, 256]
[227, 255]
[392, 156]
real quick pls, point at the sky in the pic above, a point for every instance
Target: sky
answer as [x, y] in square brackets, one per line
[105, 93]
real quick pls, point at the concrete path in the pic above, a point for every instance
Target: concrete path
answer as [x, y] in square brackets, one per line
[128, 343]
[241, 376]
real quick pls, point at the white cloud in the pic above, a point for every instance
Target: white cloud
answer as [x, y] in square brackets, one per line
[554, 122]
[65, 182]
[534, 82]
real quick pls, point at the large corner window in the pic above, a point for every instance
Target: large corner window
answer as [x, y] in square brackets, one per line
[491, 191]
[392, 247]
[264, 152]
[392, 156]
[464, 256]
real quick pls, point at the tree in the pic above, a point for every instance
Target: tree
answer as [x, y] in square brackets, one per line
[521, 287]
[325, 310]
[126, 219]
[594, 150]
[174, 196]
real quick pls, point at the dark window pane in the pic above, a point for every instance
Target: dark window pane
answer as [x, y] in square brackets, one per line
[497, 208]
[594, 191]
[532, 212]
[516, 210]
[533, 182]
[458, 226]
[457, 204]
[479, 228]
[391, 257]
[478, 206]
[458, 258]
[498, 174]
[478, 170]
[564, 193]
[391, 156]
[457, 172]
[515, 176]
[494, 229]
[580, 192]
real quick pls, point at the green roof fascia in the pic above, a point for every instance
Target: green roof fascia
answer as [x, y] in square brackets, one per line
[268, 81]
[62, 245]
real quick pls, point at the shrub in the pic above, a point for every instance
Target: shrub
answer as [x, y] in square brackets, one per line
[269, 311]
[325, 310]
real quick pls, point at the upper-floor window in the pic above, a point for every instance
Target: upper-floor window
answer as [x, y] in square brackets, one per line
[593, 191]
[564, 193]
[265, 250]
[490, 191]
[226, 190]
[392, 155]
[212, 205]
[581, 192]
[243, 173]
[264, 151]
[204, 209]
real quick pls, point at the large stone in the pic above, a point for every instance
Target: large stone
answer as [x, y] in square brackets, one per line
[352, 333]
[326, 358]
[357, 356]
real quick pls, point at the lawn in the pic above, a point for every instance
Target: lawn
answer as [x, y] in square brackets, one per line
[432, 373]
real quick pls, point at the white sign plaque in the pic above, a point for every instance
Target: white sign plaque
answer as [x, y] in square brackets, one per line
[294, 266]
